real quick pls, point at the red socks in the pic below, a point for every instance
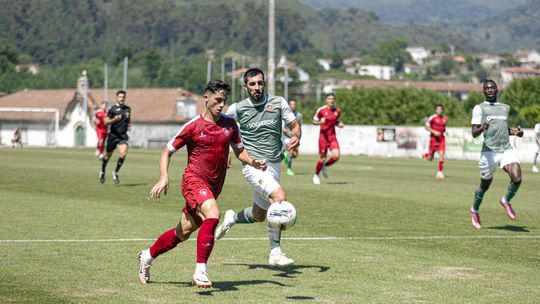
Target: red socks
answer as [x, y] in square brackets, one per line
[441, 165]
[165, 242]
[318, 168]
[330, 162]
[205, 239]
[100, 149]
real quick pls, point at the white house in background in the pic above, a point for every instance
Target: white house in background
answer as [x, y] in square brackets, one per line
[156, 116]
[488, 61]
[511, 73]
[412, 68]
[529, 58]
[324, 63]
[419, 54]
[383, 72]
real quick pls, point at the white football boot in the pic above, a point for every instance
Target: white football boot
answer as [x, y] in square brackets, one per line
[316, 179]
[228, 222]
[279, 259]
[201, 280]
[144, 270]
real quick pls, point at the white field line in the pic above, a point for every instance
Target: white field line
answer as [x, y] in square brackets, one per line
[367, 238]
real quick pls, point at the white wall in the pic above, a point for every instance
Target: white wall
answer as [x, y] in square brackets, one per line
[362, 140]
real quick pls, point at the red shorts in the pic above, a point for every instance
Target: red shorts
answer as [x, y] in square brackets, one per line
[195, 191]
[101, 134]
[436, 144]
[327, 143]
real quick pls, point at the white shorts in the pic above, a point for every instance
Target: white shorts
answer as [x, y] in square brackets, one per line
[489, 161]
[263, 182]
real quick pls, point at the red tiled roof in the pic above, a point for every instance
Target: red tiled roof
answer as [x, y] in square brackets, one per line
[427, 85]
[156, 105]
[520, 70]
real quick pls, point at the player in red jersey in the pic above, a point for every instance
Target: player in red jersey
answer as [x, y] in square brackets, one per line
[101, 127]
[328, 118]
[207, 138]
[436, 126]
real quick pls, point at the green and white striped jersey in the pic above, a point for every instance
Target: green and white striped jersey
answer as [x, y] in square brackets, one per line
[496, 138]
[260, 125]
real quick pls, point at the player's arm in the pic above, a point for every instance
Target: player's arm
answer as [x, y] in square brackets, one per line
[243, 155]
[339, 123]
[478, 129]
[163, 183]
[112, 120]
[432, 131]
[296, 132]
[477, 126]
[517, 132]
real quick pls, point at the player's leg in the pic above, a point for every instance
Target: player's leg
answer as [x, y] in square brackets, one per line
[277, 257]
[487, 165]
[209, 213]
[109, 149]
[440, 174]
[122, 150]
[535, 167]
[514, 172]
[164, 243]
[323, 147]
[335, 153]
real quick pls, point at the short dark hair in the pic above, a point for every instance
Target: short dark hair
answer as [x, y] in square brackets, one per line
[489, 81]
[252, 73]
[121, 92]
[329, 94]
[439, 105]
[215, 86]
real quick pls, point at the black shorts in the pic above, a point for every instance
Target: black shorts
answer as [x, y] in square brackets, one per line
[114, 140]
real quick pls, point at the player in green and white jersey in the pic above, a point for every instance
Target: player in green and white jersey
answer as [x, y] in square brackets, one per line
[491, 119]
[537, 140]
[290, 154]
[260, 119]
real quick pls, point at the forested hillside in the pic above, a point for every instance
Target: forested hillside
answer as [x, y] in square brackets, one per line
[60, 32]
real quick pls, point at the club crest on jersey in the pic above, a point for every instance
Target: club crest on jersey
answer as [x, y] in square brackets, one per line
[269, 108]
[226, 131]
[203, 192]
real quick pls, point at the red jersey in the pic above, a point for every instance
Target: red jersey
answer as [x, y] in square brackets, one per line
[100, 125]
[437, 123]
[208, 148]
[331, 116]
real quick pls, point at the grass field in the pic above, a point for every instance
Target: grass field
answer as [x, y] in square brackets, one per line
[377, 231]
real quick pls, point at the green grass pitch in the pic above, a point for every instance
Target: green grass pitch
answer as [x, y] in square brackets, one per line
[377, 231]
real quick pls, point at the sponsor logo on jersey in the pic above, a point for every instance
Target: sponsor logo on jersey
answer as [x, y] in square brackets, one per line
[202, 134]
[262, 123]
[495, 117]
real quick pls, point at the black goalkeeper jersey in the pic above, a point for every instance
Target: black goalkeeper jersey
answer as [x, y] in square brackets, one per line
[120, 128]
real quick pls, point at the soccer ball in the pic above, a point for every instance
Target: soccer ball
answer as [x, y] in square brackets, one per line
[281, 215]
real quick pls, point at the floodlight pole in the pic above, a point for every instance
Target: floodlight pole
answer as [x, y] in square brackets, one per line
[286, 82]
[271, 47]
[105, 82]
[233, 81]
[208, 70]
[124, 85]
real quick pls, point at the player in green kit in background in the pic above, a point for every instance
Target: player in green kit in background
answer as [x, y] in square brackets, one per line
[290, 154]
[260, 119]
[491, 119]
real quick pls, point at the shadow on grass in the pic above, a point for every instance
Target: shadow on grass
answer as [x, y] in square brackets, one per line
[339, 183]
[287, 271]
[511, 228]
[133, 185]
[300, 298]
[223, 286]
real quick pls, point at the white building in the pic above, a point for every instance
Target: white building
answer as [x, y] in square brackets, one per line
[156, 116]
[325, 63]
[383, 72]
[528, 58]
[511, 73]
[419, 54]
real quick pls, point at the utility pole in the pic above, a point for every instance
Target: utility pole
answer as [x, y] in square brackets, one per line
[124, 85]
[208, 70]
[233, 81]
[222, 68]
[105, 82]
[271, 47]
[242, 91]
[286, 81]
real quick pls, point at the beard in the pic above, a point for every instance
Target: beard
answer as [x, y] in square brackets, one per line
[492, 98]
[256, 96]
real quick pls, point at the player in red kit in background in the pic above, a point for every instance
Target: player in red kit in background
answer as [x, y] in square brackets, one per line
[436, 126]
[207, 138]
[328, 118]
[101, 127]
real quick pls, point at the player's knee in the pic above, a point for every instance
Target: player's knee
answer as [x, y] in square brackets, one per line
[182, 234]
[516, 180]
[278, 195]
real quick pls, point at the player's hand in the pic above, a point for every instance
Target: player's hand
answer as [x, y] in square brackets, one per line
[519, 132]
[436, 133]
[485, 126]
[229, 162]
[259, 164]
[341, 125]
[162, 184]
[117, 118]
[294, 143]
[323, 120]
